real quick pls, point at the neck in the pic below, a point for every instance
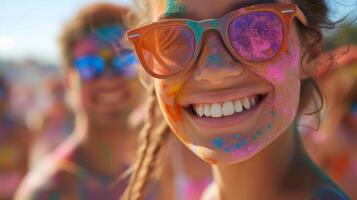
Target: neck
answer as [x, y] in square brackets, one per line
[260, 177]
[102, 146]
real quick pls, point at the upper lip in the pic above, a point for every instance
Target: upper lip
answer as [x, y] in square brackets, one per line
[223, 96]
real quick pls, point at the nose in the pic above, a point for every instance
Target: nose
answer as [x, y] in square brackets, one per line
[215, 63]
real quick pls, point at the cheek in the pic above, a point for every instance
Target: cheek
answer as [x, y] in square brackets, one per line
[167, 95]
[285, 78]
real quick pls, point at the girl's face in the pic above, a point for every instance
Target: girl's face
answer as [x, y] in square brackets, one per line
[223, 110]
[104, 93]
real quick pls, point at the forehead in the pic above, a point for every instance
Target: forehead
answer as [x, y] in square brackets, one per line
[109, 38]
[203, 9]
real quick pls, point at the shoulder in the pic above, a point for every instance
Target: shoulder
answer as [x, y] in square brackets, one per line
[47, 180]
[38, 186]
[329, 193]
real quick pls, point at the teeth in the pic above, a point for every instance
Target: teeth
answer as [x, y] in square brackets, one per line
[228, 108]
[201, 110]
[238, 106]
[246, 103]
[197, 109]
[216, 110]
[252, 101]
[207, 110]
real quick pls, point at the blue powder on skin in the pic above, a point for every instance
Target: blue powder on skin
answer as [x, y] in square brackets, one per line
[236, 145]
[269, 126]
[227, 149]
[218, 143]
[254, 137]
[110, 33]
[215, 59]
[196, 28]
[175, 9]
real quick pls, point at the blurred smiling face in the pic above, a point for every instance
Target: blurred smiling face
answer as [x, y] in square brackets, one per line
[223, 110]
[103, 73]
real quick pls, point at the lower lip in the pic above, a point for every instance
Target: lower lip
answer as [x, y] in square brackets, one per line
[233, 120]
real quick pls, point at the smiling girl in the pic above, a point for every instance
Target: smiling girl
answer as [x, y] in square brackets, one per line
[231, 78]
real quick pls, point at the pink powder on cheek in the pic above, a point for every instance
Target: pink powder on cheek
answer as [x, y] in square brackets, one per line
[275, 75]
[295, 57]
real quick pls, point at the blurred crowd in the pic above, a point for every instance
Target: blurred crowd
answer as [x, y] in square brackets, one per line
[72, 128]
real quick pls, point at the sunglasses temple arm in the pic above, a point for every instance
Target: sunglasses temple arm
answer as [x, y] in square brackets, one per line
[301, 16]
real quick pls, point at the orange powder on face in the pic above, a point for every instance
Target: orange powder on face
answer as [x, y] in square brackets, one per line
[173, 91]
[174, 112]
[210, 160]
[184, 138]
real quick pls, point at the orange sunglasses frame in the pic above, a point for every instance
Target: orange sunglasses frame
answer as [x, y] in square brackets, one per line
[285, 11]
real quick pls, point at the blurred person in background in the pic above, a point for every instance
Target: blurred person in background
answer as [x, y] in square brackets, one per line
[15, 141]
[52, 124]
[334, 146]
[100, 71]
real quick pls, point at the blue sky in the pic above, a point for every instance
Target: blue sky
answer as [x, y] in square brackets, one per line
[30, 28]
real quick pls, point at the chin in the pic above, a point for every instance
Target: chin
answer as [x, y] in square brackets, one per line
[222, 157]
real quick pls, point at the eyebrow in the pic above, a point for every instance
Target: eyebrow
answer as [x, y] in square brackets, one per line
[247, 3]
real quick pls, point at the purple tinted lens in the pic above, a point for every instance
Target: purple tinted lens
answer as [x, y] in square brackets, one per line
[168, 49]
[256, 36]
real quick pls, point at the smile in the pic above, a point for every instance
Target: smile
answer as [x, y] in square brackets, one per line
[230, 108]
[227, 108]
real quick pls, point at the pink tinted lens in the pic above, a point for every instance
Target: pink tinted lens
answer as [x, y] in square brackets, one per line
[168, 49]
[256, 36]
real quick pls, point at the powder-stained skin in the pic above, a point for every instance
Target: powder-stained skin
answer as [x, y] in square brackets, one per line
[175, 8]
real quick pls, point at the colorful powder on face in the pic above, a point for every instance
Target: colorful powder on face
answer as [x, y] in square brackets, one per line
[184, 138]
[227, 149]
[215, 60]
[110, 33]
[218, 143]
[236, 145]
[174, 112]
[173, 91]
[269, 126]
[276, 75]
[295, 57]
[196, 28]
[214, 23]
[210, 160]
[175, 8]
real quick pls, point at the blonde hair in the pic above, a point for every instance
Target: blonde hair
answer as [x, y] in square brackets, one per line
[152, 137]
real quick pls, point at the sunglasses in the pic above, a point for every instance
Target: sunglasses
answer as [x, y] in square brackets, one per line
[92, 66]
[254, 35]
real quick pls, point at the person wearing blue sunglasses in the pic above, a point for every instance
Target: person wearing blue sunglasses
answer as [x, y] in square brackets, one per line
[100, 71]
